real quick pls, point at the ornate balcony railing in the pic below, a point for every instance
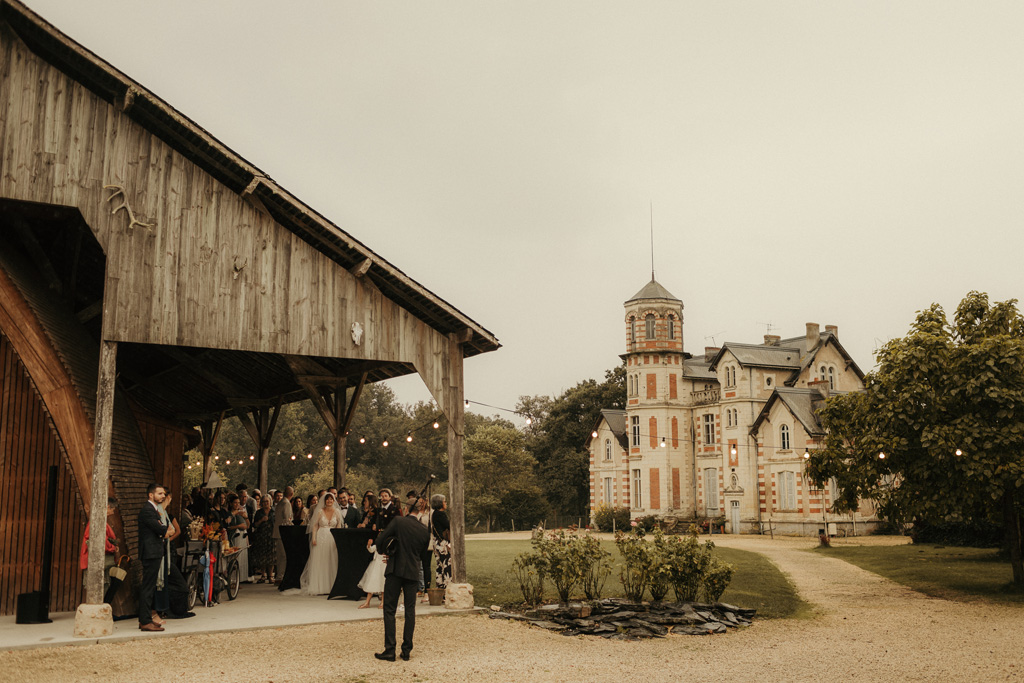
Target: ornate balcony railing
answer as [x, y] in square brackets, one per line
[700, 398]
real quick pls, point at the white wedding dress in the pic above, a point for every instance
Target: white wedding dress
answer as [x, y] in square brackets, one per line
[322, 566]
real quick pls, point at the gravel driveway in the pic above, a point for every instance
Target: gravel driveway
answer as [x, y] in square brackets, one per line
[864, 628]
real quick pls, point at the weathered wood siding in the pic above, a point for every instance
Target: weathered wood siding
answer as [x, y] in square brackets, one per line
[28, 446]
[215, 271]
[165, 445]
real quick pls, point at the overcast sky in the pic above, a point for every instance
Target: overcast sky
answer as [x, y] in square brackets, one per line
[839, 163]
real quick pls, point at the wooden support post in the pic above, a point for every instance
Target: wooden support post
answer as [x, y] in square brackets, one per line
[339, 438]
[101, 471]
[456, 479]
[261, 432]
[209, 432]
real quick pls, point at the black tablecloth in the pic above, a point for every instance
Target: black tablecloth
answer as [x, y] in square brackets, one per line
[353, 559]
[296, 550]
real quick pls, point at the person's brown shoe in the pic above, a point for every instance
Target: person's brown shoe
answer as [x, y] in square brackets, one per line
[151, 626]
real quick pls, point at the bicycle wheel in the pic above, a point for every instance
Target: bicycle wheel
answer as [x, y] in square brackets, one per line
[192, 580]
[234, 580]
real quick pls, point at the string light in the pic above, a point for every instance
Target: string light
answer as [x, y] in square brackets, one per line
[436, 424]
[467, 404]
[327, 447]
[408, 438]
[663, 443]
[385, 443]
[881, 456]
[593, 434]
[959, 452]
[293, 457]
[529, 420]
[216, 457]
[362, 439]
[807, 455]
[253, 457]
[732, 451]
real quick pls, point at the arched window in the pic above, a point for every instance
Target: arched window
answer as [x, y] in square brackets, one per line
[632, 329]
[821, 372]
[784, 437]
[671, 327]
[832, 378]
[728, 418]
[649, 332]
[607, 449]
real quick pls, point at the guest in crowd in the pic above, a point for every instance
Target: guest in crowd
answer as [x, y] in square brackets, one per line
[388, 510]
[411, 499]
[349, 513]
[186, 512]
[373, 578]
[248, 502]
[403, 541]
[152, 533]
[198, 506]
[172, 592]
[369, 511]
[238, 535]
[300, 515]
[262, 557]
[218, 509]
[422, 513]
[109, 547]
[441, 530]
[282, 517]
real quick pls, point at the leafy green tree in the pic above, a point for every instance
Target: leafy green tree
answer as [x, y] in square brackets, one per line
[558, 434]
[938, 432]
[501, 482]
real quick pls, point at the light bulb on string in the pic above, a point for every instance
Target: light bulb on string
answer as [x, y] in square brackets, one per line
[385, 443]
[881, 456]
[327, 448]
[732, 451]
[807, 455]
[467, 403]
[408, 438]
[190, 466]
[309, 456]
[593, 434]
[252, 457]
[663, 443]
[216, 457]
[293, 457]
[279, 452]
[959, 452]
[529, 420]
[362, 439]
[436, 424]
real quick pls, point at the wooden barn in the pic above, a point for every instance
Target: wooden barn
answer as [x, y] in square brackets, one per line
[152, 281]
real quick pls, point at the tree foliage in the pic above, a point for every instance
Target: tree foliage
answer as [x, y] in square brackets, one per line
[559, 432]
[501, 478]
[938, 432]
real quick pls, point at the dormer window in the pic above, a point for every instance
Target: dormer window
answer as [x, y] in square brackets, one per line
[784, 437]
[649, 320]
[821, 373]
[607, 449]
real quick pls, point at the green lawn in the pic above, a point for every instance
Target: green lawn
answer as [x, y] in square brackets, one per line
[940, 571]
[756, 583]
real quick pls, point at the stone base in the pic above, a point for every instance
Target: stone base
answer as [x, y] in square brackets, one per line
[459, 596]
[94, 621]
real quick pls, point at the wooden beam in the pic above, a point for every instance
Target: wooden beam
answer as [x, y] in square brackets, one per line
[322, 380]
[362, 268]
[340, 454]
[462, 336]
[326, 414]
[456, 470]
[105, 389]
[90, 311]
[356, 392]
[38, 255]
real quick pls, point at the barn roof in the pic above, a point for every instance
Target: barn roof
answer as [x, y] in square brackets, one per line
[199, 146]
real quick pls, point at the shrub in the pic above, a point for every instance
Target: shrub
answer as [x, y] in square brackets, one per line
[716, 579]
[647, 522]
[596, 566]
[689, 565]
[635, 572]
[661, 555]
[529, 570]
[604, 517]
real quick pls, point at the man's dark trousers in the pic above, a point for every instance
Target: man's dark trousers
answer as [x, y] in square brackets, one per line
[393, 587]
[147, 591]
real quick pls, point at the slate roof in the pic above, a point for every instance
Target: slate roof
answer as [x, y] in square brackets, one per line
[800, 403]
[653, 290]
[786, 357]
[698, 368]
[616, 420]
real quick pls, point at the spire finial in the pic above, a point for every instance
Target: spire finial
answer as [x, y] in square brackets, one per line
[652, 240]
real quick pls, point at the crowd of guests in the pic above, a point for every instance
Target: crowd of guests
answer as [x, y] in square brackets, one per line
[253, 522]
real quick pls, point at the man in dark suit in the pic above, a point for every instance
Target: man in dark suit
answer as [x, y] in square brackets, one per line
[402, 542]
[152, 533]
[349, 513]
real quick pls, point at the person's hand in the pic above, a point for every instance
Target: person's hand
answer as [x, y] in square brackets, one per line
[314, 541]
[385, 557]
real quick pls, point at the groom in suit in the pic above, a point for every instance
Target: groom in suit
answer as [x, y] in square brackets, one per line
[402, 543]
[152, 533]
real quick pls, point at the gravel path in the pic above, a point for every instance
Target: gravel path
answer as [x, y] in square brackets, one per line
[864, 628]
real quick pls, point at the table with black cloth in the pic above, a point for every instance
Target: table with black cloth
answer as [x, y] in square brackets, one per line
[353, 558]
[296, 550]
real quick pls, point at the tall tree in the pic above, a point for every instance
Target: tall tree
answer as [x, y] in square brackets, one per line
[938, 432]
[501, 482]
[558, 434]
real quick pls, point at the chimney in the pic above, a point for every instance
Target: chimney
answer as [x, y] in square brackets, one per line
[771, 339]
[833, 329]
[710, 352]
[813, 335]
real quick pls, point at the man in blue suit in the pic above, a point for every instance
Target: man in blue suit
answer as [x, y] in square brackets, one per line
[402, 542]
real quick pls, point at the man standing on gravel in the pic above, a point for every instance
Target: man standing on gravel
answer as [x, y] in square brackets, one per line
[401, 542]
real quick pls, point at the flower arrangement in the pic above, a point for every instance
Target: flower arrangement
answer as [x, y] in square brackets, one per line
[195, 529]
[210, 532]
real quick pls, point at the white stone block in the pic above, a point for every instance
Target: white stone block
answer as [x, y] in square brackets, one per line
[94, 621]
[459, 596]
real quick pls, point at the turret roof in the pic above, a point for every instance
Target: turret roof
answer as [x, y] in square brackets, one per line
[653, 290]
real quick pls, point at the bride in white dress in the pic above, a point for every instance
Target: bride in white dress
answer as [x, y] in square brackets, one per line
[322, 566]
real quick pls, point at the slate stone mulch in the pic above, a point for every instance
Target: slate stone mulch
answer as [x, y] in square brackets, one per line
[620, 619]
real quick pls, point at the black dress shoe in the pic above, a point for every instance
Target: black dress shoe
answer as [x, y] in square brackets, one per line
[404, 656]
[385, 656]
